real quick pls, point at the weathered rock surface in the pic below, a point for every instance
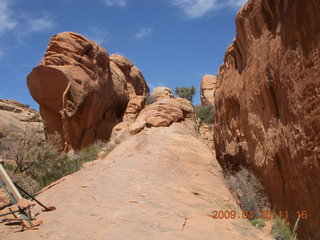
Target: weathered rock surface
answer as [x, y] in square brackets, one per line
[15, 119]
[205, 132]
[135, 105]
[162, 92]
[207, 88]
[267, 104]
[82, 91]
[162, 183]
[162, 113]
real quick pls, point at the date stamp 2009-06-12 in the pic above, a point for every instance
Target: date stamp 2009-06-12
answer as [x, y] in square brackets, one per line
[227, 214]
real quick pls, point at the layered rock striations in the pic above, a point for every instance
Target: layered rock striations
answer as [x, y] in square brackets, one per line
[267, 104]
[82, 91]
[207, 88]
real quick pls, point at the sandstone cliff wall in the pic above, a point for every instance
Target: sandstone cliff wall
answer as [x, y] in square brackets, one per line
[267, 104]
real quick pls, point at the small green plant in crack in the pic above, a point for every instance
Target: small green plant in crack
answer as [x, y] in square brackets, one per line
[258, 223]
[280, 231]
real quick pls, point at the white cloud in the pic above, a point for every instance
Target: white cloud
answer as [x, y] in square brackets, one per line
[39, 24]
[117, 3]
[143, 32]
[98, 35]
[195, 8]
[199, 8]
[236, 3]
[22, 23]
[7, 22]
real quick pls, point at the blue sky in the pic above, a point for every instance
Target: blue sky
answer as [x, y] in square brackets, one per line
[173, 42]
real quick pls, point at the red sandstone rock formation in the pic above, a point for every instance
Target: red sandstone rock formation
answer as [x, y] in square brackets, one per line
[163, 113]
[82, 91]
[208, 85]
[162, 92]
[267, 104]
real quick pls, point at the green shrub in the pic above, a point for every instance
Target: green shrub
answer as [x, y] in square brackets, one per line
[41, 161]
[25, 105]
[35, 118]
[280, 231]
[54, 169]
[205, 113]
[8, 167]
[258, 223]
[185, 92]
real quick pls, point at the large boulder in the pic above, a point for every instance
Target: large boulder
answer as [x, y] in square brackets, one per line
[208, 86]
[163, 113]
[267, 104]
[162, 92]
[82, 91]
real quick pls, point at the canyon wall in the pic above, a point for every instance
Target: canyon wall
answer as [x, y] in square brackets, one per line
[267, 105]
[82, 91]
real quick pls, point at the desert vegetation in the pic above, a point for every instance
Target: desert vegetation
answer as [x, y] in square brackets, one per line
[205, 113]
[24, 105]
[39, 162]
[248, 191]
[186, 92]
[246, 187]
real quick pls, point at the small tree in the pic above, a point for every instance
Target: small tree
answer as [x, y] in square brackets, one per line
[205, 113]
[185, 92]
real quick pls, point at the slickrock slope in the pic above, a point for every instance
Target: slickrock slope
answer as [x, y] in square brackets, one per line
[82, 91]
[207, 88]
[162, 183]
[267, 104]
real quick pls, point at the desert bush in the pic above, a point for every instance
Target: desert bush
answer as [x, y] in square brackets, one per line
[280, 231]
[56, 168]
[204, 113]
[150, 99]
[24, 181]
[33, 150]
[248, 190]
[24, 105]
[185, 92]
[35, 118]
[258, 223]
[39, 161]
